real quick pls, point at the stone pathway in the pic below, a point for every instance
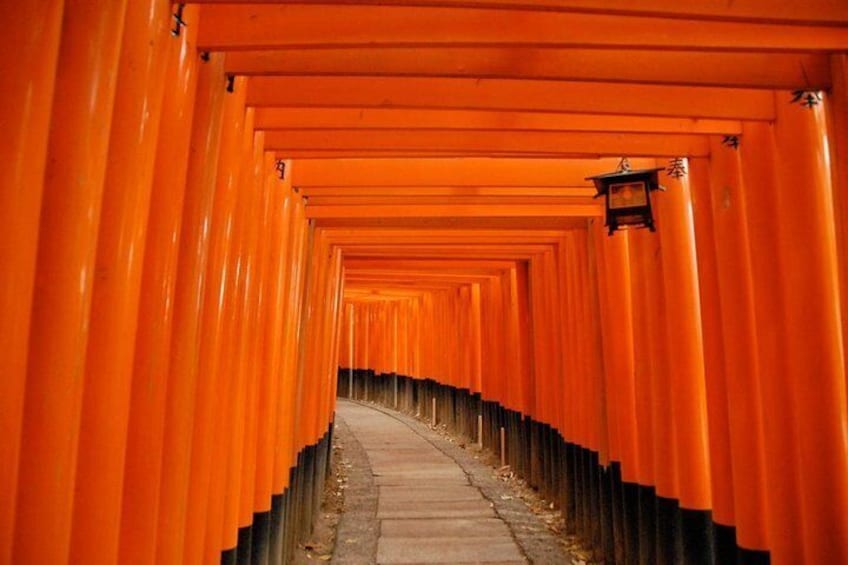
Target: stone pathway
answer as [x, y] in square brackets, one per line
[415, 503]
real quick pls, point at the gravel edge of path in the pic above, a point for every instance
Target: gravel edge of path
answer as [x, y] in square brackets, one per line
[358, 529]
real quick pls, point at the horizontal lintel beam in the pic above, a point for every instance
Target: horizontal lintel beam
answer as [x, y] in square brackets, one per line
[370, 200]
[814, 11]
[394, 118]
[512, 95]
[489, 142]
[228, 27]
[788, 71]
[468, 172]
[454, 211]
[439, 191]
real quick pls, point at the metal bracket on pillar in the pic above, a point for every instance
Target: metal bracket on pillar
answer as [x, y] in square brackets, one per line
[731, 141]
[179, 22]
[676, 168]
[807, 98]
[231, 83]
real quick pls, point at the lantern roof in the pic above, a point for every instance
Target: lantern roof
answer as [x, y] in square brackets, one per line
[625, 173]
[602, 181]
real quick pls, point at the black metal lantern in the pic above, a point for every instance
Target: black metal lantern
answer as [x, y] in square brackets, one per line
[628, 196]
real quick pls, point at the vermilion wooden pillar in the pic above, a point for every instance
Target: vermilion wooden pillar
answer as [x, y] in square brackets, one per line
[236, 415]
[300, 386]
[577, 366]
[837, 108]
[601, 442]
[585, 375]
[591, 344]
[551, 379]
[736, 294]
[641, 262]
[332, 313]
[664, 425]
[780, 433]
[114, 310]
[685, 345]
[366, 322]
[609, 297]
[620, 393]
[219, 312]
[565, 338]
[252, 338]
[486, 339]
[514, 317]
[616, 317]
[714, 366]
[283, 445]
[285, 437]
[78, 145]
[618, 339]
[540, 367]
[579, 379]
[321, 322]
[556, 378]
[277, 238]
[29, 57]
[313, 384]
[416, 353]
[337, 320]
[686, 368]
[156, 306]
[201, 267]
[815, 359]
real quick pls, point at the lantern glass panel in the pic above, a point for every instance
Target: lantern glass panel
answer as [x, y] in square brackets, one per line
[628, 195]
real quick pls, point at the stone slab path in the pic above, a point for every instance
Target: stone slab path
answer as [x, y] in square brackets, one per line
[410, 501]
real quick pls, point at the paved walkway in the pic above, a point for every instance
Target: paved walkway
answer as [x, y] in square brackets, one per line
[410, 501]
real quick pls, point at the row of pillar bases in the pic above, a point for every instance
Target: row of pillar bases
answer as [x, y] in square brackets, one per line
[617, 521]
[273, 537]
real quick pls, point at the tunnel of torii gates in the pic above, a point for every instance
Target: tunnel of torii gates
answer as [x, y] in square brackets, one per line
[217, 216]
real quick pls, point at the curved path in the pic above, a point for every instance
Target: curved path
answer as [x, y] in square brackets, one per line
[414, 497]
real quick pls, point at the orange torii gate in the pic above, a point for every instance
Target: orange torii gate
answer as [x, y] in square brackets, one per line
[216, 210]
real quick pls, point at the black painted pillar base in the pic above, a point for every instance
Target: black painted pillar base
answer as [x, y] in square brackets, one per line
[594, 469]
[278, 504]
[647, 525]
[245, 544]
[630, 521]
[261, 543]
[752, 557]
[617, 511]
[609, 539]
[229, 557]
[668, 530]
[696, 528]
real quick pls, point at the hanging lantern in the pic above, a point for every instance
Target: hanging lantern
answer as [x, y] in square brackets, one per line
[628, 196]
